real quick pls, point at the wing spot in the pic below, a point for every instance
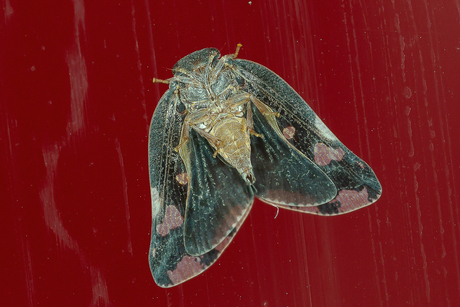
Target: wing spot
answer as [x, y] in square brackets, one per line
[187, 268]
[182, 178]
[325, 154]
[351, 200]
[172, 219]
[222, 245]
[289, 132]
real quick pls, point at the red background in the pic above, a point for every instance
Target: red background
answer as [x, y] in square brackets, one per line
[76, 102]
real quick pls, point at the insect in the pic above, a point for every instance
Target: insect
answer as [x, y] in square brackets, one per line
[229, 130]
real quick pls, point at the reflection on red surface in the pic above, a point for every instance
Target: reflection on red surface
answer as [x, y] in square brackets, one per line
[76, 100]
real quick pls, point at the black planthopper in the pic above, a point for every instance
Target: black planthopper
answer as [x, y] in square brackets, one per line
[229, 130]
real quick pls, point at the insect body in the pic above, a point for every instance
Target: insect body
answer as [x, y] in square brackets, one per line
[228, 130]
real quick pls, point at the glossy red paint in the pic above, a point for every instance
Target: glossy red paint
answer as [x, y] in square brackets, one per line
[75, 105]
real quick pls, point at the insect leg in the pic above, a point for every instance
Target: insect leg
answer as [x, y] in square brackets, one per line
[250, 121]
[167, 81]
[211, 138]
[191, 119]
[238, 47]
[184, 134]
[267, 112]
[263, 108]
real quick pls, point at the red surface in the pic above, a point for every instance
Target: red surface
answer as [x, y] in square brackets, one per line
[75, 105]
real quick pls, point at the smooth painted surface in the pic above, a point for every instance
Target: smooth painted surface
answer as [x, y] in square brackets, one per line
[75, 105]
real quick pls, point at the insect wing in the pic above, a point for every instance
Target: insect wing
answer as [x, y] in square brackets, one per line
[355, 182]
[169, 261]
[218, 197]
[283, 174]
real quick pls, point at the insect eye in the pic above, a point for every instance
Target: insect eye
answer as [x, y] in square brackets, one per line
[215, 60]
[180, 85]
[239, 80]
[173, 85]
[180, 108]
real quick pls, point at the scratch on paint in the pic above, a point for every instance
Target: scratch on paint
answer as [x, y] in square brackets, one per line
[125, 195]
[420, 226]
[77, 73]
[54, 221]
[139, 63]
[29, 272]
[409, 131]
[402, 46]
[8, 9]
[78, 94]
[445, 135]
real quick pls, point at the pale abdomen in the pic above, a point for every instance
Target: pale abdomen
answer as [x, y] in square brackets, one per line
[235, 145]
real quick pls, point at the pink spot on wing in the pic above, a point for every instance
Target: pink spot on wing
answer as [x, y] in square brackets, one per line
[222, 245]
[351, 200]
[172, 219]
[289, 132]
[188, 267]
[325, 154]
[182, 178]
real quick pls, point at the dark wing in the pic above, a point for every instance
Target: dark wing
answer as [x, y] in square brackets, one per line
[355, 182]
[169, 261]
[218, 197]
[284, 175]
